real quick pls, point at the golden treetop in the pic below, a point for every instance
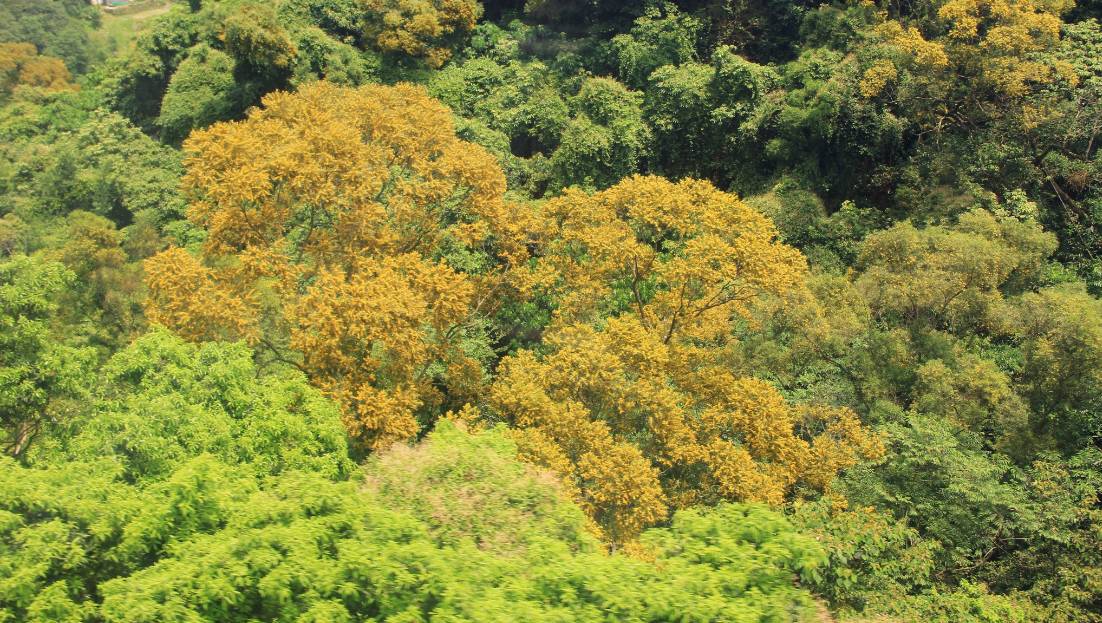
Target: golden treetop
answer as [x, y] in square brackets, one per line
[684, 257]
[420, 28]
[636, 425]
[991, 41]
[340, 172]
[633, 400]
[21, 65]
[351, 233]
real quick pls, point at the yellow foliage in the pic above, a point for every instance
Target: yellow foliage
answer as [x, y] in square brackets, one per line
[685, 256]
[20, 65]
[690, 430]
[184, 295]
[419, 28]
[640, 413]
[990, 41]
[333, 216]
[926, 53]
[876, 77]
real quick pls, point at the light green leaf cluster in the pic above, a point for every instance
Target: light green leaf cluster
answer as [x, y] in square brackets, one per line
[199, 494]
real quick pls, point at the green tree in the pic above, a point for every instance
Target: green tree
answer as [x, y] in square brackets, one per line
[202, 91]
[37, 371]
[1061, 340]
[606, 141]
[212, 540]
[167, 401]
[704, 115]
[61, 153]
[971, 501]
[662, 36]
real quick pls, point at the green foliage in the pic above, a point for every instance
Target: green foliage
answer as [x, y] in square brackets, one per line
[873, 560]
[60, 154]
[763, 30]
[744, 553]
[581, 16]
[254, 38]
[606, 140]
[58, 28]
[705, 116]
[825, 133]
[971, 603]
[512, 108]
[169, 401]
[322, 56]
[470, 488]
[989, 507]
[1061, 341]
[191, 68]
[201, 92]
[104, 299]
[951, 277]
[135, 83]
[662, 36]
[1060, 565]
[36, 370]
[210, 541]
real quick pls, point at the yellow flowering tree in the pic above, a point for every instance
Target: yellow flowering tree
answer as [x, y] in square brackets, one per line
[20, 64]
[633, 400]
[962, 53]
[351, 234]
[426, 29]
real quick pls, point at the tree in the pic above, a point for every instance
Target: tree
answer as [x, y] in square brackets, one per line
[165, 401]
[103, 304]
[254, 38]
[63, 154]
[706, 115]
[20, 65]
[662, 36]
[952, 277]
[874, 561]
[684, 257]
[351, 234]
[202, 91]
[1061, 375]
[424, 30]
[36, 369]
[606, 141]
[637, 410]
[135, 83]
[581, 17]
[1056, 133]
[515, 109]
[990, 510]
[992, 47]
[323, 57]
[176, 438]
[762, 30]
[130, 175]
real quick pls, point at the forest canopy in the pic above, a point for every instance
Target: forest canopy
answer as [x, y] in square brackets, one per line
[693, 310]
